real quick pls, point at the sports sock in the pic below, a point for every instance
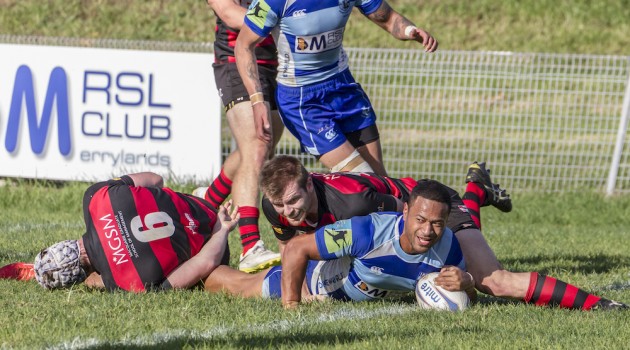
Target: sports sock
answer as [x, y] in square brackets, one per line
[473, 199]
[248, 227]
[219, 190]
[545, 290]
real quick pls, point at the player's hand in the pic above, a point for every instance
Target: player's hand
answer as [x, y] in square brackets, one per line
[227, 217]
[423, 37]
[261, 119]
[452, 278]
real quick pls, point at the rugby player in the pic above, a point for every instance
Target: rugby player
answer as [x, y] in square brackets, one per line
[139, 237]
[295, 201]
[318, 99]
[239, 175]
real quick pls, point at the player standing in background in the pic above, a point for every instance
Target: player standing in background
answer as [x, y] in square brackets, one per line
[295, 201]
[139, 237]
[318, 99]
[239, 175]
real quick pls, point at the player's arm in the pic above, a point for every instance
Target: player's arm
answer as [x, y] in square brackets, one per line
[230, 12]
[245, 55]
[401, 28]
[455, 279]
[209, 257]
[298, 252]
[147, 179]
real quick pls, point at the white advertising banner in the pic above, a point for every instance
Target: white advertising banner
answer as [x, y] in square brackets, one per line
[70, 113]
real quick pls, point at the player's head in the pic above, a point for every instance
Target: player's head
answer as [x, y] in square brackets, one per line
[425, 215]
[289, 188]
[59, 266]
[279, 172]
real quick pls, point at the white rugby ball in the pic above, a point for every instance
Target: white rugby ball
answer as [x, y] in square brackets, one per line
[430, 296]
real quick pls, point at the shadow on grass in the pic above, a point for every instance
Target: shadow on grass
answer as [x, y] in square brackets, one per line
[585, 264]
[249, 341]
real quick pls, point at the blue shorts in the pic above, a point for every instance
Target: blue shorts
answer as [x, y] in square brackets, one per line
[323, 278]
[319, 115]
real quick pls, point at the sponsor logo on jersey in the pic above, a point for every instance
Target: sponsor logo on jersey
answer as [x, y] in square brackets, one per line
[370, 291]
[299, 13]
[376, 270]
[338, 236]
[278, 230]
[257, 13]
[320, 42]
[462, 208]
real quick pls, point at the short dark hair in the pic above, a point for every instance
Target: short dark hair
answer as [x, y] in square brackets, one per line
[432, 190]
[278, 172]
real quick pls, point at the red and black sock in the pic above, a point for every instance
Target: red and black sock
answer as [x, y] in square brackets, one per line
[473, 199]
[544, 290]
[219, 190]
[248, 227]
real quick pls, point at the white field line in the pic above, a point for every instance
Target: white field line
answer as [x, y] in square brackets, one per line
[155, 339]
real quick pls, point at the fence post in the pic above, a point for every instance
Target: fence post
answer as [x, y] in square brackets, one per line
[621, 136]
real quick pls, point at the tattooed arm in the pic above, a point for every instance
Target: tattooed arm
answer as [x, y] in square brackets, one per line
[245, 55]
[401, 28]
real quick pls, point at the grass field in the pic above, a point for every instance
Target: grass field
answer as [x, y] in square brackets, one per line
[562, 26]
[579, 238]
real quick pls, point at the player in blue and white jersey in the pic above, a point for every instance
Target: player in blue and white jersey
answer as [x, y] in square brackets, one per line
[318, 99]
[364, 258]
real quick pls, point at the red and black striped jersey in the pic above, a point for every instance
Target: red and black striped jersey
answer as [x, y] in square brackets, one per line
[225, 40]
[136, 236]
[342, 196]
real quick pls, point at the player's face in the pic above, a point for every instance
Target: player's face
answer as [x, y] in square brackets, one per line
[295, 203]
[425, 221]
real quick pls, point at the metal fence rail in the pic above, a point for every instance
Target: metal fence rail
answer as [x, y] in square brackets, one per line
[543, 122]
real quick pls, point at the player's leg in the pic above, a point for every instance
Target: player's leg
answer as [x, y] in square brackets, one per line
[245, 191]
[235, 282]
[368, 144]
[221, 186]
[491, 278]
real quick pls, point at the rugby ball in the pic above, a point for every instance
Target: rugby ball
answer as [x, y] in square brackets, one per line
[430, 296]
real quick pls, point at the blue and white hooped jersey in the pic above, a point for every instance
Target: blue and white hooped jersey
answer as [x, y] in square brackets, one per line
[308, 35]
[370, 261]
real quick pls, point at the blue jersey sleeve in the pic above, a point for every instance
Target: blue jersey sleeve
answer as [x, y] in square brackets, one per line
[367, 7]
[263, 15]
[352, 237]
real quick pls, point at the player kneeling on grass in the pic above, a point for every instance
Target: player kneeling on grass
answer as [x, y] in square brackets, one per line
[364, 258]
[139, 237]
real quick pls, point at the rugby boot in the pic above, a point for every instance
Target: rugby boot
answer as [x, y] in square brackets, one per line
[19, 271]
[495, 196]
[258, 258]
[605, 304]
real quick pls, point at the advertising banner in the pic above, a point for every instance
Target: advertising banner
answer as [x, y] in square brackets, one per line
[69, 113]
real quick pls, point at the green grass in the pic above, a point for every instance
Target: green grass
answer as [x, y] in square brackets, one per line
[563, 26]
[579, 238]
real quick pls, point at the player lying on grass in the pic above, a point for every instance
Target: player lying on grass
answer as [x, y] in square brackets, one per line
[369, 257]
[139, 236]
[295, 201]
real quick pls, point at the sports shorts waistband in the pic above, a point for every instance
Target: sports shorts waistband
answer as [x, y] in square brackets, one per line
[344, 77]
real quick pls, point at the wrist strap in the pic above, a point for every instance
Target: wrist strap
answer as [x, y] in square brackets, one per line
[257, 97]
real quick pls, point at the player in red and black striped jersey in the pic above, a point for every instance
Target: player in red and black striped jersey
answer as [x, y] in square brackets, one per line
[239, 175]
[295, 201]
[140, 237]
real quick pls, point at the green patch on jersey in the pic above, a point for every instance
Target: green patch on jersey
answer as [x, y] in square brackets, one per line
[337, 239]
[257, 13]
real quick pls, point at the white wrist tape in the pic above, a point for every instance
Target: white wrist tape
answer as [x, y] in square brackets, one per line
[408, 30]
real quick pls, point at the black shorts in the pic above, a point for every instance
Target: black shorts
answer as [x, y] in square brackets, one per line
[459, 218]
[231, 87]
